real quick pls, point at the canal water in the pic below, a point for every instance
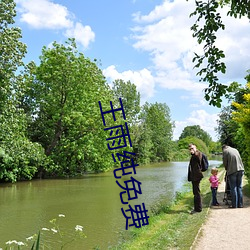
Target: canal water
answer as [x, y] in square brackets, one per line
[92, 202]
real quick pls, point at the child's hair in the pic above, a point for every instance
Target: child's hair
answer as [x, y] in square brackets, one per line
[214, 170]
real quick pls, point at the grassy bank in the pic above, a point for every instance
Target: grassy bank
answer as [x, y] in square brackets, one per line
[170, 227]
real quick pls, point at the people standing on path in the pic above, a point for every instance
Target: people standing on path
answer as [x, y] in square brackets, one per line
[214, 181]
[195, 175]
[235, 169]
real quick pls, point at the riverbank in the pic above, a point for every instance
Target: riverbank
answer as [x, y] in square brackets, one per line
[171, 227]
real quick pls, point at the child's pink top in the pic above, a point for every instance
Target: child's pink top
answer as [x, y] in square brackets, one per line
[214, 181]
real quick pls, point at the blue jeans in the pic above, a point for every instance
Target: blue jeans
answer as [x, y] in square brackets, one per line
[235, 182]
[214, 196]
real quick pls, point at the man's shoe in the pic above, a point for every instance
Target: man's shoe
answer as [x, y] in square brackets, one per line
[231, 206]
[194, 212]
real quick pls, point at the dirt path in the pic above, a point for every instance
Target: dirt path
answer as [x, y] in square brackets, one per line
[225, 228]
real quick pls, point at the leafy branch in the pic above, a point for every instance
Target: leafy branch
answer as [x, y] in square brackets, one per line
[210, 63]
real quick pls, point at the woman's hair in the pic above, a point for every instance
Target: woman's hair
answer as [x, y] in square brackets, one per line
[214, 170]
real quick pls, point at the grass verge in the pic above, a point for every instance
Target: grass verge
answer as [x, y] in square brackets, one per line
[170, 226]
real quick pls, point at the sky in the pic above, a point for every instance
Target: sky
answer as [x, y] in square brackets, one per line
[147, 42]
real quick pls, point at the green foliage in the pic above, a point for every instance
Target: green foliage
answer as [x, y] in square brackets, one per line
[12, 50]
[36, 243]
[131, 103]
[205, 28]
[233, 123]
[237, 8]
[196, 131]
[65, 118]
[215, 147]
[230, 130]
[143, 144]
[157, 131]
[50, 120]
[210, 18]
[52, 125]
[227, 127]
[201, 146]
[20, 158]
[130, 99]
[180, 155]
[241, 116]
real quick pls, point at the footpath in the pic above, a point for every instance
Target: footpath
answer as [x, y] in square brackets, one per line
[225, 228]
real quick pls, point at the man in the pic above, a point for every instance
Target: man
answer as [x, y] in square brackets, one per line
[195, 175]
[235, 169]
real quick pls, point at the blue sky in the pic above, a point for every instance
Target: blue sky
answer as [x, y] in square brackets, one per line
[148, 42]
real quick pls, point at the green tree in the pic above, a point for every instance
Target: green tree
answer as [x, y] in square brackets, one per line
[205, 28]
[233, 127]
[229, 130]
[130, 99]
[242, 117]
[157, 124]
[12, 50]
[131, 103]
[64, 91]
[20, 158]
[227, 127]
[196, 131]
[215, 147]
[179, 154]
[143, 145]
[183, 144]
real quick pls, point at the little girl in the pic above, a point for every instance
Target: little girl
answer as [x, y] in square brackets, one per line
[214, 185]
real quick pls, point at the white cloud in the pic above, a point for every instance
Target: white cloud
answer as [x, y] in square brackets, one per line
[143, 80]
[44, 14]
[234, 41]
[198, 117]
[165, 33]
[159, 12]
[83, 34]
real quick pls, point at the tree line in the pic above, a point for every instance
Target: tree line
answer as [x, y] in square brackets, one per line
[50, 121]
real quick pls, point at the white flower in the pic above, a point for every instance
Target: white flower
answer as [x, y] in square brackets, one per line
[54, 230]
[20, 243]
[10, 242]
[29, 238]
[61, 215]
[78, 228]
[45, 229]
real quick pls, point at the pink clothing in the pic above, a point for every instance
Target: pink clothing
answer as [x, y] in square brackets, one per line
[214, 181]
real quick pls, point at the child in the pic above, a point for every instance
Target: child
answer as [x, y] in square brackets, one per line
[214, 185]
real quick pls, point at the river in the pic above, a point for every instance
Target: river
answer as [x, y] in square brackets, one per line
[92, 201]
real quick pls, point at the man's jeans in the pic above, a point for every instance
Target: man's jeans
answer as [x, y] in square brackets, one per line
[235, 182]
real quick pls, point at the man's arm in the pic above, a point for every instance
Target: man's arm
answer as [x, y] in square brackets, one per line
[224, 159]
